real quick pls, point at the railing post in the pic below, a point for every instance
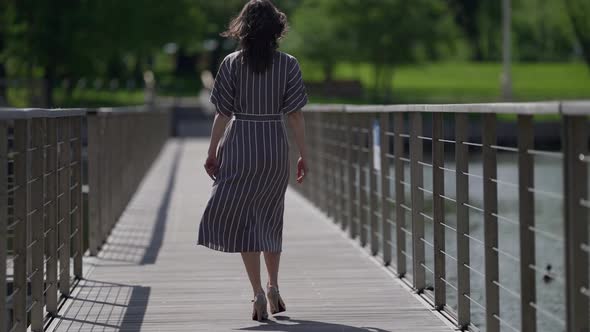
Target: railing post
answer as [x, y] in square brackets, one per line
[64, 205]
[21, 208]
[315, 162]
[36, 222]
[342, 164]
[416, 175]
[490, 207]
[321, 160]
[51, 192]
[400, 222]
[575, 141]
[363, 186]
[3, 222]
[372, 188]
[526, 209]
[438, 213]
[385, 174]
[94, 193]
[328, 167]
[350, 174]
[76, 194]
[462, 198]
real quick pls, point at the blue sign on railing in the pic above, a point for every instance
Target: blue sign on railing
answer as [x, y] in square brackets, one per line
[376, 146]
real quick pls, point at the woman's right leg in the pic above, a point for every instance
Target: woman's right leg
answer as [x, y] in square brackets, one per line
[252, 264]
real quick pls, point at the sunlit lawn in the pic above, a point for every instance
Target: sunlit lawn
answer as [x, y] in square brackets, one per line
[469, 82]
[426, 83]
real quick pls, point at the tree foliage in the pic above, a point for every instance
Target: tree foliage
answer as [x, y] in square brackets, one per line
[579, 12]
[385, 33]
[65, 38]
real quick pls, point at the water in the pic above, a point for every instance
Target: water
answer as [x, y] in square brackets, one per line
[549, 248]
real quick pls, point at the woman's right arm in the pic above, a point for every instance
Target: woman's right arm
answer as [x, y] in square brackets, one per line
[297, 123]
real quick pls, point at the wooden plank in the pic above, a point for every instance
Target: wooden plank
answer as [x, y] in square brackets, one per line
[490, 207]
[327, 282]
[526, 212]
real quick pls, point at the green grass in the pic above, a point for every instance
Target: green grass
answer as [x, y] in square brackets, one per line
[444, 82]
[99, 98]
[450, 82]
[18, 97]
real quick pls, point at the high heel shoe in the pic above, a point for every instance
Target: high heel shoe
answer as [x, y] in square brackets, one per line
[259, 312]
[274, 299]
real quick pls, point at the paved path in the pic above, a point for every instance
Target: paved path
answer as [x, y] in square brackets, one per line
[151, 276]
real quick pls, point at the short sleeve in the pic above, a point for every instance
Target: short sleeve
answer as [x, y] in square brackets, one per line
[295, 94]
[222, 95]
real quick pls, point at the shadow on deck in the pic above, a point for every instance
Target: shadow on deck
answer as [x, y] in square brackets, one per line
[150, 275]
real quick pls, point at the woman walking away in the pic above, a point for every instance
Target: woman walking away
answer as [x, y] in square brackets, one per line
[248, 157]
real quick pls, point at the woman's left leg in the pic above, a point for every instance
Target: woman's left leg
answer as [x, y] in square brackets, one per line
[272, 260]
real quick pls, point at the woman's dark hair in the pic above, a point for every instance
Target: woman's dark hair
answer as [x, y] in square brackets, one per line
[258, 28]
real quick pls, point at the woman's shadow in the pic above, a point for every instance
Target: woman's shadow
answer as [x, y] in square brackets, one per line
[298, 325]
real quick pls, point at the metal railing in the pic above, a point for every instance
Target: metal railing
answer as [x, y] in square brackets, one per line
[122, 144]
[40, 221]
[428, 188]
[43, 217]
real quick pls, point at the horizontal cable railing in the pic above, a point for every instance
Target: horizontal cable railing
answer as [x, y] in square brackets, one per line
[48, 158]
[454, 203]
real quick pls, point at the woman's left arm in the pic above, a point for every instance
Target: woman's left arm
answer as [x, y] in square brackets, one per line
[219, 124]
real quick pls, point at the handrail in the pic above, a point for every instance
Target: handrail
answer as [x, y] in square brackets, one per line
[31, 113]
[530, 108]
[368, 172]
[42, 209]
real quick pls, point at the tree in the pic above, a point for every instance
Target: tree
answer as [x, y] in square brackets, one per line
[319, 39]
[3, 88]
[66, 38]
[384, 33]
[579, 12]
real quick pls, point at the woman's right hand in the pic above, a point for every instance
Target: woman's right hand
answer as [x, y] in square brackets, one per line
[301, 170]
[212, 166]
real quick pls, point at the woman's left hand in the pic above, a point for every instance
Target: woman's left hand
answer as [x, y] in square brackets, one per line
[212, 166]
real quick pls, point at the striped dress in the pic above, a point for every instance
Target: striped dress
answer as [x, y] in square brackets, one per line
[245, 211]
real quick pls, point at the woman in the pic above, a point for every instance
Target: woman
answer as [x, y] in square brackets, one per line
[248, 155]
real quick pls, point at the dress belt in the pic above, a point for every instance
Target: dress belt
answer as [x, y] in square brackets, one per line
[258, 117]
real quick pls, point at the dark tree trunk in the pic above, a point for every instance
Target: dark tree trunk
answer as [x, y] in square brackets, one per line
[328, 72]
[3, 87]
[137, 74]
[581, 28]
[185, 63]
[48, 86]
[328, 78]
[387, 84]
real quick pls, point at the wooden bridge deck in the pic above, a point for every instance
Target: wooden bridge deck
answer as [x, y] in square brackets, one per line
[150, 276]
